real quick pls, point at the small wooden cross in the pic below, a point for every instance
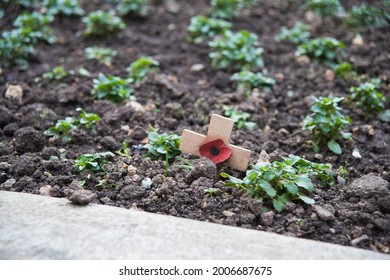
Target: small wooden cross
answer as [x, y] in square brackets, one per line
[219, 128]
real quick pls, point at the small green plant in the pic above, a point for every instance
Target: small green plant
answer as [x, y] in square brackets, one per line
[38, 26]
[211, 191]
[136, 7]
[125, 151]
[100, 23]
[298, 34]
[326, 124]
[322, 50]
[283, 181]
[325, 7]
[236, 50]
[58, 73]
[63, 7]
[94, 162]
[112, 88]
[249, 80]
[103, 55]
[368, 98]
[240, 119]
[202, 28]
[87, 120]
[62, 128]
[141, 68]
[15, 48]
[163, 146]
[367, 16]
[227, 9]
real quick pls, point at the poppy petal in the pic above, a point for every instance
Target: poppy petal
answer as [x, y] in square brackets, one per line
[215, 150]
[223, 155]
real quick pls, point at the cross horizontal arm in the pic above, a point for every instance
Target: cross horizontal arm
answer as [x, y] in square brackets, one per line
[240, 158]
[191, 141]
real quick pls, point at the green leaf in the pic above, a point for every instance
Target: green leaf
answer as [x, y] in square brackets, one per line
[278, 205]
[304, 182]
[334, 147]
[306, 199]
[291, 187]
[384, 116]
[267, 188]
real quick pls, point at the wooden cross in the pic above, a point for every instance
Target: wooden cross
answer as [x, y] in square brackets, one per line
[219, 128]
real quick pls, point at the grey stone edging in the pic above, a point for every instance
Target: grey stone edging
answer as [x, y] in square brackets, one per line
[37, 227]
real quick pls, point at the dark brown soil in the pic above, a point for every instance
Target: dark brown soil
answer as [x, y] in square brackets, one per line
[187, 100]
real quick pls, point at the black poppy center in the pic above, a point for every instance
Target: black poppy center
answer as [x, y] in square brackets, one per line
[214, 151]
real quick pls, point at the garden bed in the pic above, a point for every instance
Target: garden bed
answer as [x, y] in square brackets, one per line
[182, 95]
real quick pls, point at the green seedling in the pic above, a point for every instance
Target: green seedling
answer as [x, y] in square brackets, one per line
[163, 146]
[297, 35]
[112, 88]
[103, 55]
[368, 98]
[94, 162]
[58, 73]
[322, 50]
[236, 51]
[62, 129]
[125, 151]
[100, 23]
[249, 80]
[37, 25]
[325, 7]
[63, 7]
[211, 191]
[87, 120]
[136, 7]
[227, 9]
[15, 48]
[202, 28]
[187, 165]
[240, 119]
[365, 16]
[326, 124]
[283, 181]
[141, 68]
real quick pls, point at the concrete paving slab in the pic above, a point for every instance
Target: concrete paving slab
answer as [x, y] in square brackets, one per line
[38, 227]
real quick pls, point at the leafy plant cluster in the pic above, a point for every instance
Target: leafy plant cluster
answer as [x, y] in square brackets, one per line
[298, 34]
[58, 73]
[241, 119]
[283, 181]
[94, 162]
[99, 23]
[62, 128]
[141, 68]
[63, 7]
[17, 45]
[103, 55]
[326, 124]
[227, 9]
[135, 7]
[325, 7]
[202, 28]
[368, 98]
[367, 16]
[118, 89]
[163, 146]
[249, 80]
[324, 50]
[236, 51]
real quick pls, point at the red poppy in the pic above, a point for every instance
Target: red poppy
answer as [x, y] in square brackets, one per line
[215, 150]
